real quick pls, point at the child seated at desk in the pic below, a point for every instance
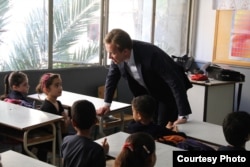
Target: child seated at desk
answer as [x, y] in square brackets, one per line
[144, 108]
[16, 88]
[138, 150]
[79, 149]
[236, 129]
[51, 85]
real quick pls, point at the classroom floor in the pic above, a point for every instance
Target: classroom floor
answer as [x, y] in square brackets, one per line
[110, 163]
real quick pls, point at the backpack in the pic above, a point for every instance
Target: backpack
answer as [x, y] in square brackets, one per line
[194, 145]
[185, 61]
[222, 74]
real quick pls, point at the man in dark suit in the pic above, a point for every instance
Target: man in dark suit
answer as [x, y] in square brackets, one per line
[148, 70]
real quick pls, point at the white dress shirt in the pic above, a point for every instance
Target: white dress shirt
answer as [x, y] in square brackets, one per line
[135, 73]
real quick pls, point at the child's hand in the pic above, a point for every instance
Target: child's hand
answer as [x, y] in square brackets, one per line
[175, 128]
[105, 146]
[66, 118]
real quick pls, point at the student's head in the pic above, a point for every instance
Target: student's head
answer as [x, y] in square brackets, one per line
[83, 114]
[143, 108]
[50, 84]
[118, 45]
[17, 81]
[138, 150]
[236, 128]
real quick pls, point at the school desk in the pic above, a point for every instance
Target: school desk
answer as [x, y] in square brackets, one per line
[14, 159]
[164, 152]
[206, 132]
[211, 101]
[68, 98]
[24, 125]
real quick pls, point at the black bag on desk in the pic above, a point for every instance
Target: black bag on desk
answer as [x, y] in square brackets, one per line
[221, 74]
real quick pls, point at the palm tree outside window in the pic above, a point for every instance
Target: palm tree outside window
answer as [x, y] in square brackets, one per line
[78, 27]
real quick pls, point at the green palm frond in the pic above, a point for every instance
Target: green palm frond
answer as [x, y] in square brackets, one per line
[25, 54]
[83, 54]
[29, 47]
[4, 7]
[71, 21]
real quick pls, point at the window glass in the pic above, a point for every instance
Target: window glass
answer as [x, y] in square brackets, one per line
[76, 32]
[23, 35]
[24, 30]
[171, 25]
[133, 16]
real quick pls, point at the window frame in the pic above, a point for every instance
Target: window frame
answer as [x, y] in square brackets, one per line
[104, 15]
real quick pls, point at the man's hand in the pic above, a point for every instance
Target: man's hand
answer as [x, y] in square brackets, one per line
[103, 110]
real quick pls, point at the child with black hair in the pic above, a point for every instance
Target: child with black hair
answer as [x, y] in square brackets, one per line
[51, 85]
[144, 108]
[16, 89]
[79, 149]
[236, 129]
[138, 150]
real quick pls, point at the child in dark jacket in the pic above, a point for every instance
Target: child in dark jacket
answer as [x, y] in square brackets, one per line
[80, 149]
[144, 108]
[16, 89]
[236, 129]
[51, 85]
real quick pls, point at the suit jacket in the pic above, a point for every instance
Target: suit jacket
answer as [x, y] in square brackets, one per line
[165, 79]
